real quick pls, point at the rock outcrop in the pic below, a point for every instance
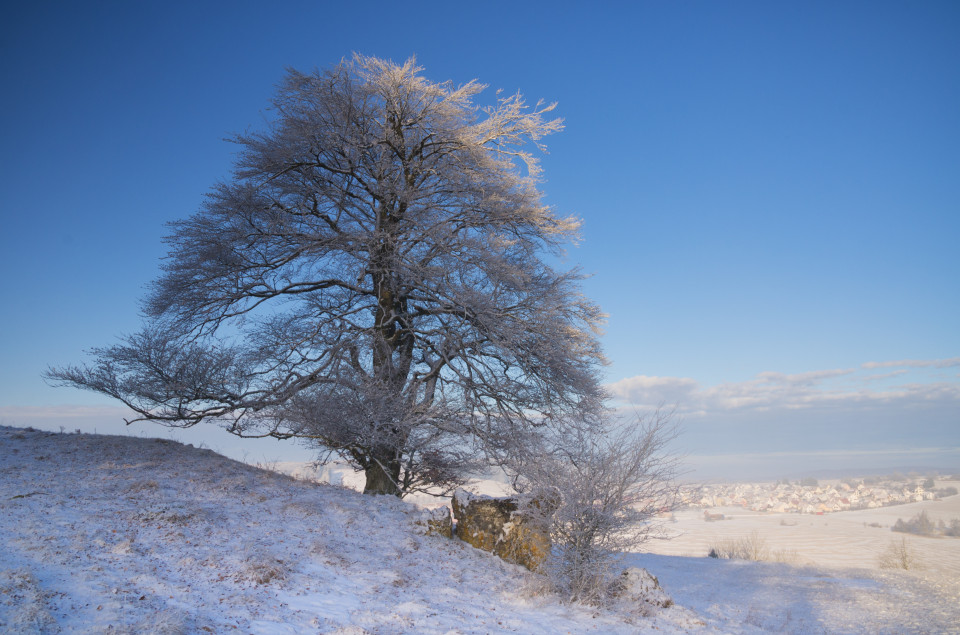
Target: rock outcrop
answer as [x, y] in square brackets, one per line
[503, 526]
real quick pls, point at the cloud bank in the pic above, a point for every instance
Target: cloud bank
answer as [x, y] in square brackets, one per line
[916, 363]
[775, 390]
[854, 411]
[881, 414]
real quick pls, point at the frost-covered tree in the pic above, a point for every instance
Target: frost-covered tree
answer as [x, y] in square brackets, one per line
[372, 279]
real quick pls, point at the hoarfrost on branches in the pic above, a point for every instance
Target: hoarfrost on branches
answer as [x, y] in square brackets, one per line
[599, 490]
[370, 280]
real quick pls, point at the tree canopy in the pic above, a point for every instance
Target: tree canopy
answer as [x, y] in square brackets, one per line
[373, 278]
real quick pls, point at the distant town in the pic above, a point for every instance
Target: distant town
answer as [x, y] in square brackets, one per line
[808, 496]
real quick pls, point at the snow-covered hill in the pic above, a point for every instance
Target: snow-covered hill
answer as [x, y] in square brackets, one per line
[128, 535]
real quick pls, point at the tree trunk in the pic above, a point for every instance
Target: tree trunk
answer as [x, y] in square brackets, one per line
[380, 481]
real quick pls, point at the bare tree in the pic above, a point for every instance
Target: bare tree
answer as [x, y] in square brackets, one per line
[598, 491]
[372, 280]
[899, 555]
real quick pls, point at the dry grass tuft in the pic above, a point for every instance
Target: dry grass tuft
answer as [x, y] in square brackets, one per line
[143, 486]
[264, 569]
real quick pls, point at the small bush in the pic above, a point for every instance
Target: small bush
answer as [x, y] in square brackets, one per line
[753, 547]
[899, 554]
[606, 491]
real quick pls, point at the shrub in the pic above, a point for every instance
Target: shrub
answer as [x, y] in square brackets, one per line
[899, 554]
[920, 525]
[606, 492]
[753, 547]
[953, 530]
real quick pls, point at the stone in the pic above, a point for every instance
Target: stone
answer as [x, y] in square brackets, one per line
[640, 587]
[436, 522]
[500, 526]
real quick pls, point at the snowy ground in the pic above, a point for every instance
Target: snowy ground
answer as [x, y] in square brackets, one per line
[128, 535]
[842, 539]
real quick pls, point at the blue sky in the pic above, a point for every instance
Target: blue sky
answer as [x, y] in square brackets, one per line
[770, 191]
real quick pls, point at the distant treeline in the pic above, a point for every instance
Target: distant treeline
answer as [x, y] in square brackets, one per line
[921, 525]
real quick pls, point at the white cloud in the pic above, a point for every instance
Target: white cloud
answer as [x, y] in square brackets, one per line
[915, 363]
[895, 373]
[804, 379]
[653, 391]
[771, 390]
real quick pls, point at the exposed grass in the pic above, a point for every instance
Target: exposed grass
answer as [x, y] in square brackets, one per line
[264, 569]
[143, 486]
[30, 613]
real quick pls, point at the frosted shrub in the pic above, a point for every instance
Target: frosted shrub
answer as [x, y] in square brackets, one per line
[899, 554]
[753, 547]
[606, 489]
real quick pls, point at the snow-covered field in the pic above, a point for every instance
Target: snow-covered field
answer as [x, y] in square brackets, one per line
[842, 539]
[129, 535]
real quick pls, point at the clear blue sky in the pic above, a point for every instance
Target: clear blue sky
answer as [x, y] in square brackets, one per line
[771, 191]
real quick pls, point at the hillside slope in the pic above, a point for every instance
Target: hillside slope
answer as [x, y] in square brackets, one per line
[129, 535]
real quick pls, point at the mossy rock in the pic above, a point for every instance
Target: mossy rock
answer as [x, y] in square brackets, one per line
[500, 526]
